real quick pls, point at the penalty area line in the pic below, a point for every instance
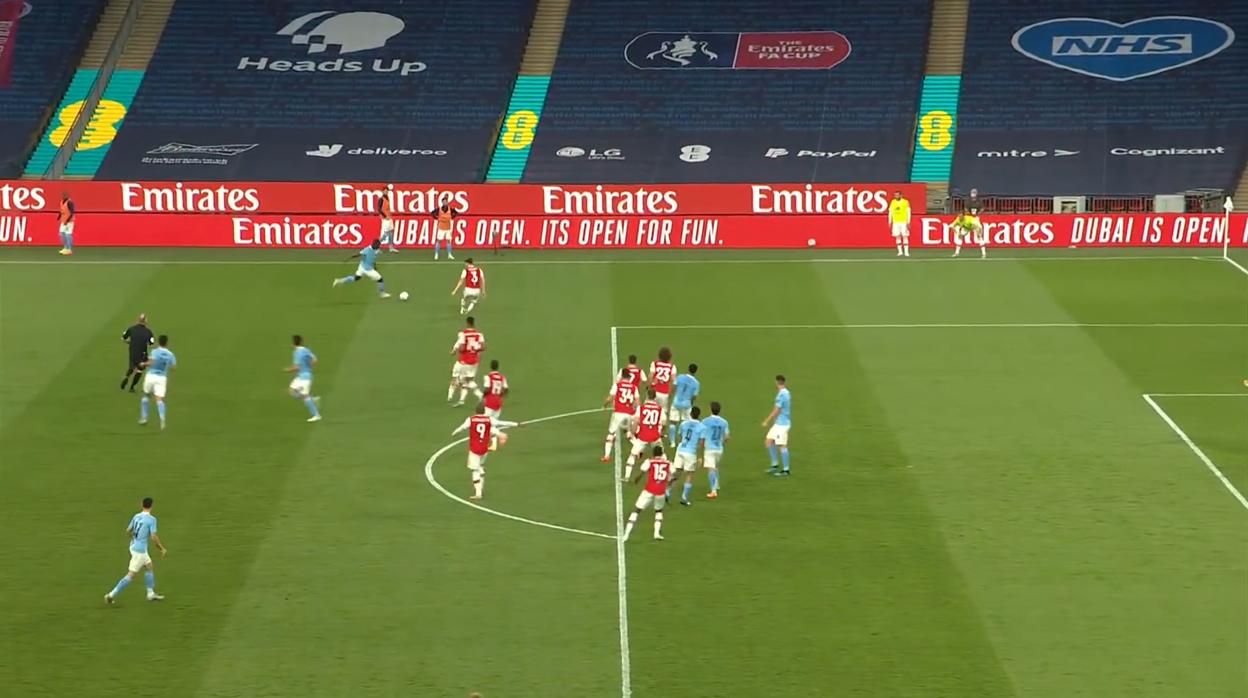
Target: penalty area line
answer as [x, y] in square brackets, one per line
[511, 517]
[626, 671]
[1187, 440]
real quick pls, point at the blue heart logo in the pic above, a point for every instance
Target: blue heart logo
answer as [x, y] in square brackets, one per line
[1121, 52]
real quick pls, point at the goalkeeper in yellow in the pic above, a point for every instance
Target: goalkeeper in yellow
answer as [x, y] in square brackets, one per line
[967, 229]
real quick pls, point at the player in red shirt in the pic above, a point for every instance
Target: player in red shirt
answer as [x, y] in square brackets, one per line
[647, 429]
[635, 374]
[624, 396]
[662, 374]
[469, 345]
[484, 433]
[472, 280]
[658, 471]
[495, 389]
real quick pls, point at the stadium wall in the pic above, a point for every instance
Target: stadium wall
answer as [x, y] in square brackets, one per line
[340, 215]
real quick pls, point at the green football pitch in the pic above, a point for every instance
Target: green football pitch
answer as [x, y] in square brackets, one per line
[1013, 477]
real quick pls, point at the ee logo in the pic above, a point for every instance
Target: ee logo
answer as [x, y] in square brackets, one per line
[935, 130]
[518, 131]
[100, 131]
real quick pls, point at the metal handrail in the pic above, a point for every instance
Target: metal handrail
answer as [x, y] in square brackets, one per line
[60, 161]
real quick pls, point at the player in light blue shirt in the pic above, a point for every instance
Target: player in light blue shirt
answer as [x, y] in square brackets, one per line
[301, 386]
[691, 433]
[156, 380]
[778, 434]
[714, 434]
[367, 268]
[142, 528]
[686, 391]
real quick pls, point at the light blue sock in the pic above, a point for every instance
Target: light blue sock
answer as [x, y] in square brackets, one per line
[150, 578]
[143, 406]
[714, 476]
[381, 286]
[347, 279]
[671, 433]
[64, 242]
[784, 455]
[160, 410]
[121, 586]
[69, 242]
[775, 460]
[684, 491]
[449, 251]
[311, 406]
[668, 492]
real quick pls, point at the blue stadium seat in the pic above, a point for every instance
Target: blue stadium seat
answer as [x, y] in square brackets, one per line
[38, 53]
[733, 90]
[1056, 105]
[291, 90]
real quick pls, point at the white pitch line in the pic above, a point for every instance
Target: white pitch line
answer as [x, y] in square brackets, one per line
[1237, 265]
[438, 486]
[941, 325]
[626, 671]
[539, 262]
[1196, 449]
[1243, 394]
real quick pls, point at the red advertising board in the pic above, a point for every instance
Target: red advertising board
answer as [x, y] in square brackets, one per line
[623, 232]
[315, 198]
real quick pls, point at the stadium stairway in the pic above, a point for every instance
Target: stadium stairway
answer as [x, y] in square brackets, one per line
[511, 149]
[134, 59]
[1240, 197]
[945, 50]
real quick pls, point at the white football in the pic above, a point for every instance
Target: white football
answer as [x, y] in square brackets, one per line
[403, 296]
[810, 242]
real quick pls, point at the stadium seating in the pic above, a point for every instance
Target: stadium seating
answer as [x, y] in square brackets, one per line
[733, 90]
[294, 90]
[40, 43]
[1078, 107]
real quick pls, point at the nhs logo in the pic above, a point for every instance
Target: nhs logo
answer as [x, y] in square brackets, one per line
[1120, 52]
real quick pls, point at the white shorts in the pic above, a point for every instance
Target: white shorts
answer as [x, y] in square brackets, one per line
[710, 459]
[155, 385]
[901, 230]
[687, 462]
[476, 463]
[678, 414]
[778, 435]
[641, 446]
[662, 398]
[981, 237]
[301, 386]
[647, 499]
[619, 421]
[496, 414]
[368, 273]
[139, 561]
[472, 293]
[387, 227]
[68, 228]
[463, 372]
[443, 236]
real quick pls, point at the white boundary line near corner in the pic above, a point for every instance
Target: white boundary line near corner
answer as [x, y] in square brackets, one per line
[626, 671]
[1230, 487]
[581, 262]
[942, 325]
[438, 486]
[1237, 265]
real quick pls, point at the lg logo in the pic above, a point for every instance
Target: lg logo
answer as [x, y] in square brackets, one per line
[695, 153]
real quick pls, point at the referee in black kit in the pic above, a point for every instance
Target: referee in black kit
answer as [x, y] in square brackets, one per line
[139, 335]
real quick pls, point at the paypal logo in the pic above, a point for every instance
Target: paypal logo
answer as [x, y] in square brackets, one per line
[1120, 52]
